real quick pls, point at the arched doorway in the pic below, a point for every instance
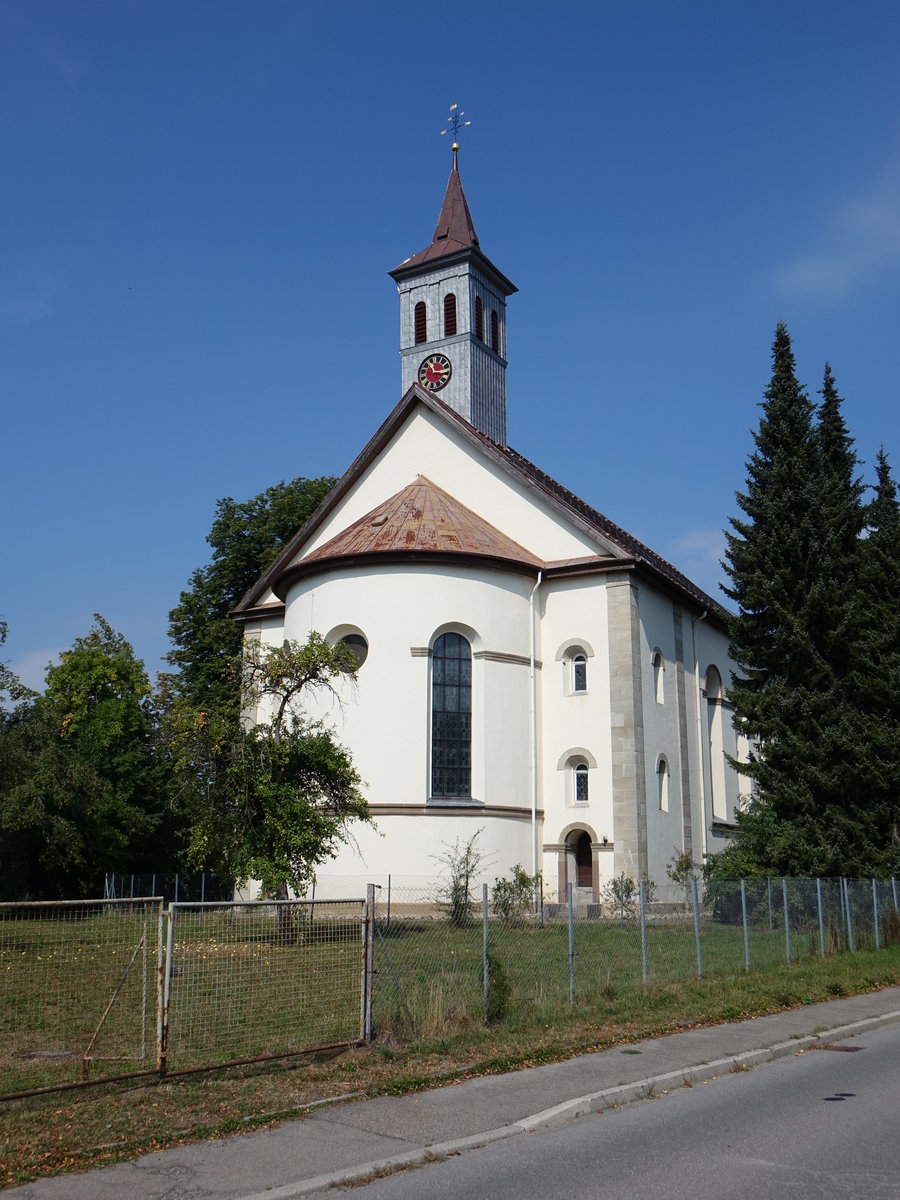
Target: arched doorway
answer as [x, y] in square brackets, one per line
[584, 865]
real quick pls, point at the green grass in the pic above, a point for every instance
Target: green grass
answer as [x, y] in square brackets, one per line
[72, 1130]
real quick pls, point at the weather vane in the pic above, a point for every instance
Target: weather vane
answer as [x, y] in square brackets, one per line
[455, 122]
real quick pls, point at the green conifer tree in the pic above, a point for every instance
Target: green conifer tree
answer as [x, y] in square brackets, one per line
[782, 565]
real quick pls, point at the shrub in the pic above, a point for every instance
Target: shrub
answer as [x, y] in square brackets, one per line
[512, 897]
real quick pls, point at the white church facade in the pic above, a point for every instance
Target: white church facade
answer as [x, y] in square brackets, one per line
[527, 669]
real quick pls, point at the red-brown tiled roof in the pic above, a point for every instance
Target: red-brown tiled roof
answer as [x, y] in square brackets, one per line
[420, 519]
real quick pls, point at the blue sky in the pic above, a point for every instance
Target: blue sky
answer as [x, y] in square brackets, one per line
[201, 200]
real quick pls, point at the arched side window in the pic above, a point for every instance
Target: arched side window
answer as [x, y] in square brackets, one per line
[662, 783]
[451, 716]
[715, 713]
[450, 314]
[495, 331]
[479, 319]
[659, 678]
[421, 323]
[581, 783]
[579, 672]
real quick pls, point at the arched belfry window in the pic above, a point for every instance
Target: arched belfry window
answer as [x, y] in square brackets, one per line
[451, 716]
[479, 319]
[421, 323]
[450, 314]
[495, 331]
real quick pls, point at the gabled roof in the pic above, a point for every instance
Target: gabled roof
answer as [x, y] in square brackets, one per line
[454, 238]
[615, 547]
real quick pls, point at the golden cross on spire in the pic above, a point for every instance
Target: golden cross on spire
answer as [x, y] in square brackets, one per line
[455, 122]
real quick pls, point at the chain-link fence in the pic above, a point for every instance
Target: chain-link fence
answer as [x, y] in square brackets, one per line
[108, 988]
[259, 980]
[79, 991]
[100, 989]
[503, 952]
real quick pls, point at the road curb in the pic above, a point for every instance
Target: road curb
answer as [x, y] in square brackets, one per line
[572, 1110]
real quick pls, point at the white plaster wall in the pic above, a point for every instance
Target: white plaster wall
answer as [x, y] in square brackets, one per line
[662, 735]
[429, 446]
[574, 611]
[384, 718]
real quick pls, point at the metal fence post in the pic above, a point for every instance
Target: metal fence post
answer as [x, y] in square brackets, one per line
[622, 900]
[787, 921]
[696, 900]
[486, 968]
[160, 986]
[643, 929]
[389, 903]
[769, 890]
[821, 917]
[875, 909]
[744, 919]
[894, 890]
[571, 951]
[163, 1058]
[850, 937]
[370, 960]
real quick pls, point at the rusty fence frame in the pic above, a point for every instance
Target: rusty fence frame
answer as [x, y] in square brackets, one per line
[166, 919]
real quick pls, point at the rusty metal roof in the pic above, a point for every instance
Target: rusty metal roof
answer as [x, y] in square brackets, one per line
[423, 518]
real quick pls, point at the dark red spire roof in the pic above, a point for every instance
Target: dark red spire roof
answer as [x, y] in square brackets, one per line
[454, 234]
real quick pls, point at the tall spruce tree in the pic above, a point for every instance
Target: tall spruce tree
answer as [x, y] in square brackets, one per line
[876, 679]
[785, 558]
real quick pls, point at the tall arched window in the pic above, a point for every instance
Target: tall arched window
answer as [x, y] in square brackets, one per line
[451, 716]
[449, 314]
[579, 672]
[495, 331]
[662, 784]
[479, 319]
[715, 712]
[581, 783]
[421, 323]
[659, 667]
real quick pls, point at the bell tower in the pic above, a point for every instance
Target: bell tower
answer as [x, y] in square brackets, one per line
[453, 315]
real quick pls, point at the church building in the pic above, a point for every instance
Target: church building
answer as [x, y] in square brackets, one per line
[527, 669]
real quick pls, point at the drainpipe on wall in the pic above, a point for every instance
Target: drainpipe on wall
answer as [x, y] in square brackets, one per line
[700, 754]
[533, 731]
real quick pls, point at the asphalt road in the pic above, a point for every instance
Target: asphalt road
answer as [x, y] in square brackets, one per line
[823, 1124]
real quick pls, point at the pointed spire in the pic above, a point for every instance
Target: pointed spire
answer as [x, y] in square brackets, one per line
[455, 228]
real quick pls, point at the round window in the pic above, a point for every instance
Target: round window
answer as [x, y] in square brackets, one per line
[358, 645]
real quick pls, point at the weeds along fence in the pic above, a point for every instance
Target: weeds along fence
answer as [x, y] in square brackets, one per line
[502, 956]
[108, 989]
[116, 988]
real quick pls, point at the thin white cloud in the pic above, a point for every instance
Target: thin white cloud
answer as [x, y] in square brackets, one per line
[860, 244]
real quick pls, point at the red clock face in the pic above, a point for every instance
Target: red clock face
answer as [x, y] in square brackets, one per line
[435, 372]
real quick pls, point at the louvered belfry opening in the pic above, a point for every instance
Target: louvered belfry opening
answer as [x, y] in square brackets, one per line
[421, 320]
[495, 331]
[479, 319]
[450, 314]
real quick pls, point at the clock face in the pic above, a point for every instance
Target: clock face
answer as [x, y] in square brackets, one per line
[435, 372]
